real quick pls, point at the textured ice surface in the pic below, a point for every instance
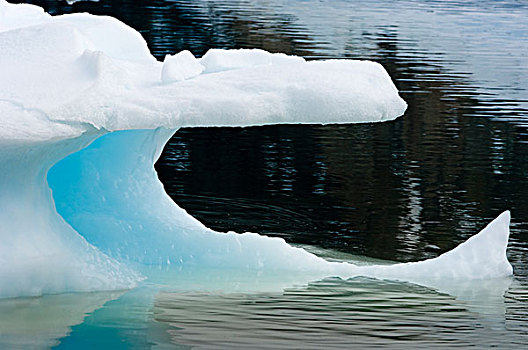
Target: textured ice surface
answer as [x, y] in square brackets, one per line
[180, 67]
[84, 70]
[85, 111]
[216, 60]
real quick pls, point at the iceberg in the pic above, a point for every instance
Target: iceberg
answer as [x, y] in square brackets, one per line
[85, 111]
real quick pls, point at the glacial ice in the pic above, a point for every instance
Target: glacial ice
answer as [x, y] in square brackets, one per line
[85, 111]
[180, 67]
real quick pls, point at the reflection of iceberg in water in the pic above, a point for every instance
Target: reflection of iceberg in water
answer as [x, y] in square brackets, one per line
[189, 312]
[37, 323]
[87, 109]
[326, 314]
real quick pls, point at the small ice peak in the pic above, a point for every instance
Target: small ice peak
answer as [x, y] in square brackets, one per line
[482, 256]
[218, 60]
[486, 251]
[181, 66]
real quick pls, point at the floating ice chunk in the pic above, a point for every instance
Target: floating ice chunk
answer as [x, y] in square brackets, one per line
[83, 110]
[217, 60]
[180, 67]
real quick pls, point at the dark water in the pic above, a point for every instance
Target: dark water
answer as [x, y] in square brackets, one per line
[403, 191]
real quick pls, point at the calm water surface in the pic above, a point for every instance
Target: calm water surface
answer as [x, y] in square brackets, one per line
[403, 191]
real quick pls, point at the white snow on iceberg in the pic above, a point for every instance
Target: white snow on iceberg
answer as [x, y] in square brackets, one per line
[85, 111]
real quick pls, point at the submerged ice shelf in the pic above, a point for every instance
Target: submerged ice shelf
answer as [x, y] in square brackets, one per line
[85, 111]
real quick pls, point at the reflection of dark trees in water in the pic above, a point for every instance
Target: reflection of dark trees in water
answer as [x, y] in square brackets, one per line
[432, 175]
[406, 189]
[462, 169]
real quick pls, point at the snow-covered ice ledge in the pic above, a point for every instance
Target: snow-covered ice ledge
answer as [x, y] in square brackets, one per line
[85, 111]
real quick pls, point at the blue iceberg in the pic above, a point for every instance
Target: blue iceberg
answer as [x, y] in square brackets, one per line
[85, 111]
